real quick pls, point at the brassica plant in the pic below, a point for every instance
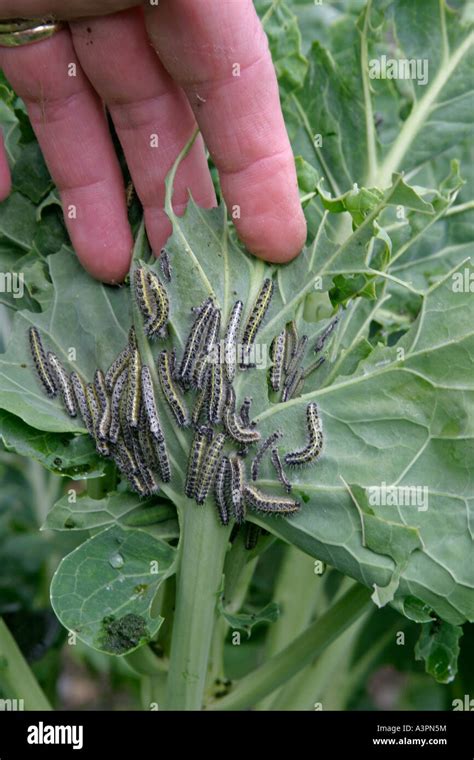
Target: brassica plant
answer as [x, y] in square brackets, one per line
[377, 564]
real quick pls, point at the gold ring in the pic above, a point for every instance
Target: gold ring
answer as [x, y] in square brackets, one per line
[20, 31]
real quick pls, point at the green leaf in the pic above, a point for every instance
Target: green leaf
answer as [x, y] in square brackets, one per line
[342, 103]
[281, 27]
[68, 325]
[406, 419]
[395, 418]
[359, 202]
[83, 513]
[245, 621]
[307, 175]
[385, 537]
[18, 220]
[30, 174]
[438, 116]
[438, 646]
[414, 609]
[103, 591]
[72, 456]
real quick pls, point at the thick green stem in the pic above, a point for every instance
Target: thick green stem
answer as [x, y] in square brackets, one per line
[311, 685]
[337, 695]
[238, 572]
[299, 653]
[144, 662]
[202, 549]
[17, 680]
[296, 609]
[167, 612]
[153, 690]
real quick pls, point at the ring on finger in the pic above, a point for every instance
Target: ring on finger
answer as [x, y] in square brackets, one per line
[20, 31]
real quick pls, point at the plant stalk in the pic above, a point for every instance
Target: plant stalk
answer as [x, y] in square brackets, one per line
[238, 573]
[202, 550]
[299, 653]
[296, 610]
[17, 680]
[328, 672]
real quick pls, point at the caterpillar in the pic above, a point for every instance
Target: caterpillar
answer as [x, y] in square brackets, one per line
[44, 372]
[125, 458]
[129, 193]
[230, 339]
[134, 393]
[105, 405]
[151, 486]
[244, 412]
[290, 344]
[117, 393]
[209, 467]
[62, 381]
[79, 389]
[100, 387]
[200, 372]
[297, 355]
[193, 342]
[267, 443]
[315, 439]
[313, 366]
[146, 446]
[149, 403]
[145, 299]
[163, 460]
[95, 412]
[170, 392]
[137, 483]
[125, 429]
[216, 393]
[293, 384]
[319, 345]
[277, 355]
[140, 456]
[211, 335]
[236, 430]
[255, 319]
[196, 455]
[268, 503]
[251, 535]
[116, 368]
[165, 264]
[132, 338]
[221, 488]
[237, 476]
[199, 406]
[156, 325]
[278, 465]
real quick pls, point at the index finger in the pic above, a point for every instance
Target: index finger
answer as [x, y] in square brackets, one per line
[218, 52]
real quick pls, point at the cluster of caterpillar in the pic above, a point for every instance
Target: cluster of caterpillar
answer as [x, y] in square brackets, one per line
[120, 408]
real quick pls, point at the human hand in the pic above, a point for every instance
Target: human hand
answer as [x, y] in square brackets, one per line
[213, 67]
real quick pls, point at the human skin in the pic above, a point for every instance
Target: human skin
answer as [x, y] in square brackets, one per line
[160, 70]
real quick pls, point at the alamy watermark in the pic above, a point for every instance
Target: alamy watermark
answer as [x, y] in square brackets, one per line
[12, 705]
[463, 281]
[41, 733]
[467, 704]
[398, 496]
[415, 69]
[253, 356]
[12, 282]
